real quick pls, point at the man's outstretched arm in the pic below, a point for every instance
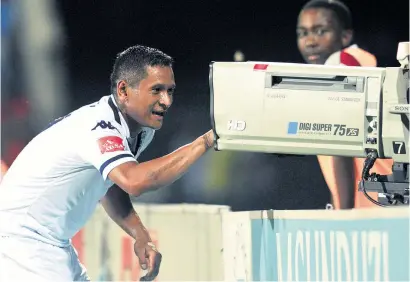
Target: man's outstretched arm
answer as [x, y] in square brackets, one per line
[136, 179]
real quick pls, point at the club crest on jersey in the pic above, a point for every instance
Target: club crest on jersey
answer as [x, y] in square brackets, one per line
[110, 144]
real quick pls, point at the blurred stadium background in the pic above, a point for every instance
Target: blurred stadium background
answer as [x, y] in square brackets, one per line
[57, 56]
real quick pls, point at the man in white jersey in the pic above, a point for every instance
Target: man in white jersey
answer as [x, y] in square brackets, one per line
[87, 157]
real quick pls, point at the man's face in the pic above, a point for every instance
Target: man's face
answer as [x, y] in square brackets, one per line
[148, 102]
[318, 35]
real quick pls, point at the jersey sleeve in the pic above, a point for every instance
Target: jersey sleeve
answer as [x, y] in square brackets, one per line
[352, 56]
[342, 58]
[105, 148]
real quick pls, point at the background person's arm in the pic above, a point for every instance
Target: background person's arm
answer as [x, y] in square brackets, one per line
[339, 176]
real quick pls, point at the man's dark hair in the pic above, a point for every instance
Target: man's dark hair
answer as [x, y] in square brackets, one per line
[130, 64]
[342, 12]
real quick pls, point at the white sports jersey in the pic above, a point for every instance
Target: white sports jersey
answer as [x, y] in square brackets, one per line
[54, 185]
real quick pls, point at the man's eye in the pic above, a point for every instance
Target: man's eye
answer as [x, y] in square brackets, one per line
[320, 31]
[301, 33]
[156, 90]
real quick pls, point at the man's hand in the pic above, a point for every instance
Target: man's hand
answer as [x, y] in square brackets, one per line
[148, 256]
[209, 139]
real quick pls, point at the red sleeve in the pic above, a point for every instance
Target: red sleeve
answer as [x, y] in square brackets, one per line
[348, 60]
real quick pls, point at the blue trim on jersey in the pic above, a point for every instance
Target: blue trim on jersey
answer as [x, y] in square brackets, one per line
[113, 159]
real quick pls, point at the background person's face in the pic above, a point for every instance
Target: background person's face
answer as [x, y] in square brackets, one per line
[318, 35]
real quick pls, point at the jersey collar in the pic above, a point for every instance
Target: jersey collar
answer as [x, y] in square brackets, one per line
[118, 115]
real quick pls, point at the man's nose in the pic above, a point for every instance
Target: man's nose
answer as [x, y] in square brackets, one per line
[166, 99]
[311, 41]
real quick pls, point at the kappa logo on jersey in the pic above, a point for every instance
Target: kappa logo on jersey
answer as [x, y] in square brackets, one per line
[110, 144]
[103, 124]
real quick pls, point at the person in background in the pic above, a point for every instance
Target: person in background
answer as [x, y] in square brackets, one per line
[325, 36]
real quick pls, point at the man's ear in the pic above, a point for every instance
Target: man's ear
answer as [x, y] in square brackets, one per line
[347, 37]
[122, 90]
